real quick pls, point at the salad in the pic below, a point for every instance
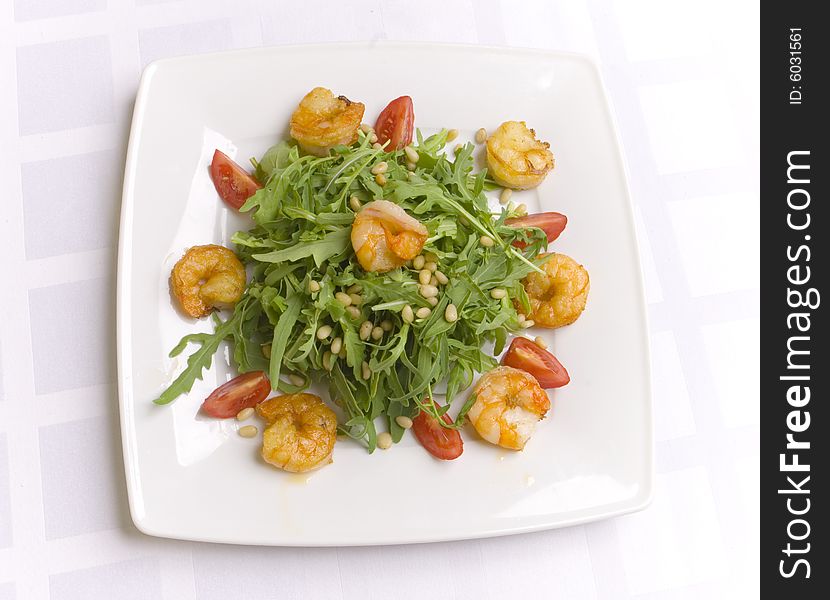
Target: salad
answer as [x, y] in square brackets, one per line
[374, 264]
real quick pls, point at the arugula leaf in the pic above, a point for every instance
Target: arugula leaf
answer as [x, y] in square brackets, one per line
[333, 243]
[277, 158]
[281, 334]
[197, 362]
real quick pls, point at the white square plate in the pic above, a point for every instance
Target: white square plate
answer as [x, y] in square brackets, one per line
[194, 478]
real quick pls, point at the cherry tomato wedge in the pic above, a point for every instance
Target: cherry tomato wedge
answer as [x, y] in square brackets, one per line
[526, 355]
[395, 123]
[552, 223]
[247, 390]
[232, 182]
[439, 441]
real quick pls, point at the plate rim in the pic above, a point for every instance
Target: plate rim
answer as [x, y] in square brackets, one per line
[123, 302]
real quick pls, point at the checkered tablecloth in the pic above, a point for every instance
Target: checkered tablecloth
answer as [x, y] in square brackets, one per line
[683, 80]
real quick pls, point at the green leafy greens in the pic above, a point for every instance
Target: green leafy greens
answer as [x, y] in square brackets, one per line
[302, 230]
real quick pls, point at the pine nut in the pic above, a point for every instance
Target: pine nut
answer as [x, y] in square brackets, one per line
[452, 134]
[336, 345]
[354, 289]
[354, 312]
[433, 301]
[528, 324]
[365, 127]
[356, 299]
[431, 266]
[433, 281]
[354, 203]
[365, 330]
[428, 291]
[342, 353]
[441, 278]
[540, 342]
[324, 332]
[411, 166]
[481, 136]
[328, 360]
[451, 313]
[375, 145]
[365, 371]
[407, 315]
[521, 209]
[521, 318]
[386, 325]
[486, 241]
[424, 276]
[380, 179]
[418, 262]
[373, 138]
[423, 312]
[248, 431]
[244, 414]
[266, 350]
[384, 440]
[313, 286]
[380, 167]
[377, 333]
[343, 298]
[504, 197]
[431, 257]
[403, 421]
[297, 380]
[498, 293]
[411, 154]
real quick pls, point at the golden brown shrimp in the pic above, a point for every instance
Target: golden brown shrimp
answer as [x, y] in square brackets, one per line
[323, 121]
[207, 277]
[508, 404]
[516, 158]
[300, 434]
[384, 236]
[558, 297]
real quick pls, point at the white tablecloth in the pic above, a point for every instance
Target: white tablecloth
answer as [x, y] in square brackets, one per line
[683, 80]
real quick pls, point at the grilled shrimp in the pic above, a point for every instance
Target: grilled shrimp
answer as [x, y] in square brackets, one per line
[207, 277]
[508, 404]
[516, 158]
[384, 237]
[300, 434]
[323, 121]
[558, 297]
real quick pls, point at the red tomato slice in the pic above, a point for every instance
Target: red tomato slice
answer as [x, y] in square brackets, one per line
[396, 123]
[232, 182]
[439, 441]
[525, 355]
[552, 223]
[247, 390]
